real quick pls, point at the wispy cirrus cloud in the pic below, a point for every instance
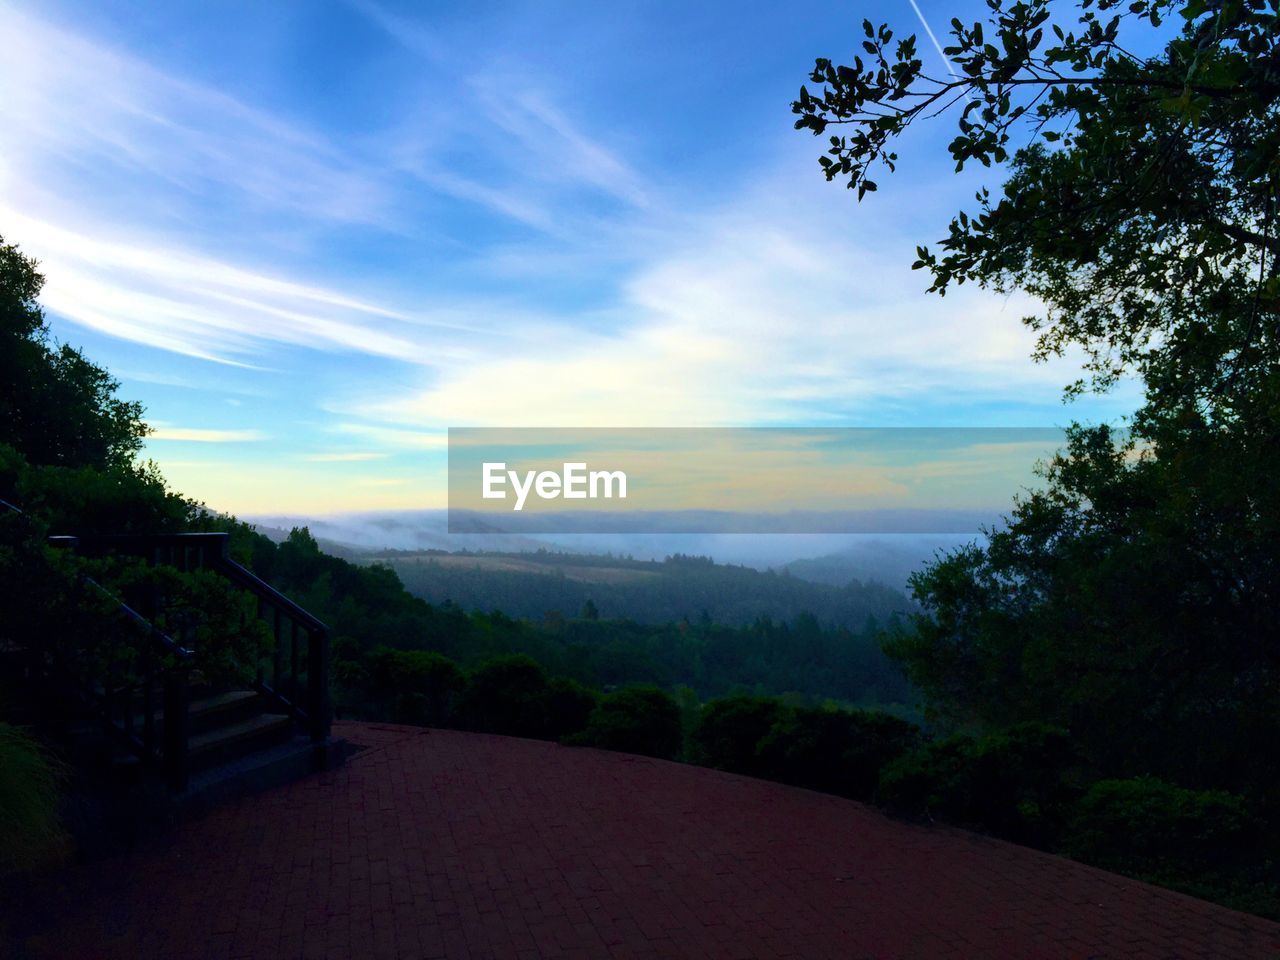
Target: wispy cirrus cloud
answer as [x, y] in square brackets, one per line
[528, 150]
[194, 305]
[352, 457]
[162, 431]
[752, 313]
[122, 121]
[486, 238]
[89, 125]
[394, 437]
[556, 149]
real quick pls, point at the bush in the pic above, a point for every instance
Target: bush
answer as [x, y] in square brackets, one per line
[929, 779]
[513, 695]
[837, 751]
[414, 686]
[729, 733]
[1026, 779]
[30, 832]
[507, 695]
[642, 720]
[569, 707]
[1018, 782]
[1155, 828]
[510, 695]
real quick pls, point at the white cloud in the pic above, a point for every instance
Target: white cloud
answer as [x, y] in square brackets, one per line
[66, 99]
[343, 457]
[200, 435]
[529, 149]
[555, 148]
[766, 311]
[198, 306]
[395, 437]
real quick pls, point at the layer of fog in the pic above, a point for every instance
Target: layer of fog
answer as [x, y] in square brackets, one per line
[832, 558]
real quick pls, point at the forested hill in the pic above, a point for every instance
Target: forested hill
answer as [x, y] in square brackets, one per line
[535, 585]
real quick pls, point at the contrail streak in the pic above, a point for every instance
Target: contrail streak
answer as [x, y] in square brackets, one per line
[936, 45]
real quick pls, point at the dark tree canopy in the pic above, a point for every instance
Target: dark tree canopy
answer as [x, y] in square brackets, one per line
[1134, 600]
[56, 407]
[1140, 203]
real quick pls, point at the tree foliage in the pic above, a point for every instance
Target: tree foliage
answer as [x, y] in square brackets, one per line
[56, 406]
[1141, 198]
[1133, 600]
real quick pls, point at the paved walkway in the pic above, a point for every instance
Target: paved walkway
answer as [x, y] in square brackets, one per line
[444, 844]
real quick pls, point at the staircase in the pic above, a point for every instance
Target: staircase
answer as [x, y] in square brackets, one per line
[239, 741]
[225, 727]
[157, 721]
[229, 725]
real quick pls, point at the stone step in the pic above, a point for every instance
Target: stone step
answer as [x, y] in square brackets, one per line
[225, 743]
[213, 710]
[273, 766]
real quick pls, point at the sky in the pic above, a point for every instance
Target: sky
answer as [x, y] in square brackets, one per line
[312, 236]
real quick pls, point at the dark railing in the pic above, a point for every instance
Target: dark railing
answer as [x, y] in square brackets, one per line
[123, 695]
[127, 695]
[296, 674]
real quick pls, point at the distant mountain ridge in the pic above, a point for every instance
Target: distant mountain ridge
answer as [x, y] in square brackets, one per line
[887, 561]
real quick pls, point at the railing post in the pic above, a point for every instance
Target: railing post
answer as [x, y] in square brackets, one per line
[318, 712]
[175, 728]
[294, 658]
[149, 744]
[277, 651]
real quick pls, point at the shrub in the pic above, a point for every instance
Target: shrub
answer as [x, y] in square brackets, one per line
[1155, 828]
[353, 692]
[514, 696]
[928, 779]
[838, 751]
[569, 707]
[414, 686]
[642, 720]
[1018, 782]
[1025, 780]
[507, 695]
[30, 832]
[729, 732]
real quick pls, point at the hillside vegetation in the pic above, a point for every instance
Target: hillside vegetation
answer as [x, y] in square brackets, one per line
[531, 585]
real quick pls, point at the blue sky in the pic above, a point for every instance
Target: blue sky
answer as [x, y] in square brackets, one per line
[312, 236]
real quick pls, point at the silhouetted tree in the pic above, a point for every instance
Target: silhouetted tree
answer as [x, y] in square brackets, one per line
[56, 407]
[1134, 599]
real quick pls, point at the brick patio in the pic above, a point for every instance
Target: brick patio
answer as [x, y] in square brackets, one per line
[444, 844]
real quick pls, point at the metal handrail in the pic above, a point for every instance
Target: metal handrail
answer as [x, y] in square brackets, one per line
[171, 746]
[166, 642]
[221, 542]
[309, 705]
[252, 582]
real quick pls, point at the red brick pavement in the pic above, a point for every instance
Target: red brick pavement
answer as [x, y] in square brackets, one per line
[444, 844]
